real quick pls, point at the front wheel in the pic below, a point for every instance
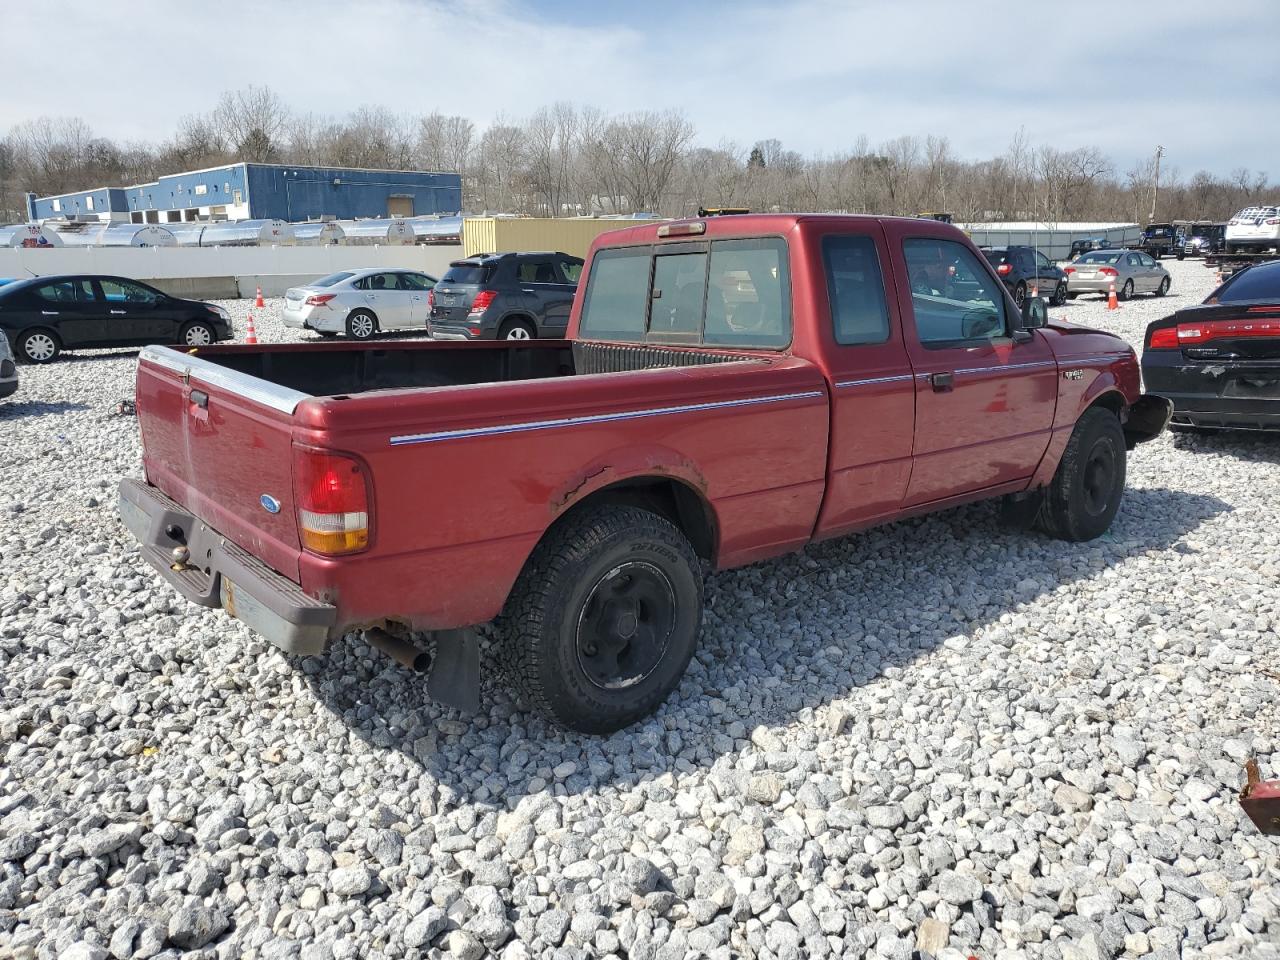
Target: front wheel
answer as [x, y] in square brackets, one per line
[1085, 493]
[361, 325]
[197, 335]
[1059, 295]
[1163, 288]
[38, 346]
[1126, 292]
[1020, 294]
[604, 619]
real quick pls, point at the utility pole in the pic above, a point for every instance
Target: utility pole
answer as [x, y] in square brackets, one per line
[1155, 187]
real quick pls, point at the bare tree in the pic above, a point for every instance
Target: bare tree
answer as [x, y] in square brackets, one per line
[253, 120]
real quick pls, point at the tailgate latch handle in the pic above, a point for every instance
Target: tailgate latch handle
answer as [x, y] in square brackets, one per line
[200, 399]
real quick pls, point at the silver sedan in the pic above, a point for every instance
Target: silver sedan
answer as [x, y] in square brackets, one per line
[360, 303]
[1132, 272]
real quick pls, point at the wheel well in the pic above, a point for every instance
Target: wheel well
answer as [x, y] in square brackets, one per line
[518, 318]
[1110, 401]
[671, 499]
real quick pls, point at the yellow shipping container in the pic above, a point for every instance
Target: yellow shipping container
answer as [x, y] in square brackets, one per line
[571, 235]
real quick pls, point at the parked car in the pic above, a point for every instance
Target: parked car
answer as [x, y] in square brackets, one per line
[1203, 240]
[733, 388]
[1219, 361]
[1132, 272]
[1024, 268]
[43, 316]
[1086, 244]
[360, 303]
[1160, 239]
[505, 296]
[8, 370]
[1254, 229]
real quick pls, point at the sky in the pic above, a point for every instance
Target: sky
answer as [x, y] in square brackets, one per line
[1122, 76]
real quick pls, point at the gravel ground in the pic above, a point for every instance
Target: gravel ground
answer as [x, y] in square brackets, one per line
[1004, 745]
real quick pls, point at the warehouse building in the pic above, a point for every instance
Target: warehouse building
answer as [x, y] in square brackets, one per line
[262, 191]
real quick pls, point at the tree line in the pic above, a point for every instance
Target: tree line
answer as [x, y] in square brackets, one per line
[568, 160]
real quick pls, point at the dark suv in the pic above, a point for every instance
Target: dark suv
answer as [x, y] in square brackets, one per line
[1025, 268]
[505, 296]
[1161, 239]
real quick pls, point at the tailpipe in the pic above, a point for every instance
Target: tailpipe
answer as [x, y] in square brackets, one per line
[401, 651]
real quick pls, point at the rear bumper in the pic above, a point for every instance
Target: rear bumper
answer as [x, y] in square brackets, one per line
[1093, 286]
[1228, 395]
[446, 331]
[226, 576]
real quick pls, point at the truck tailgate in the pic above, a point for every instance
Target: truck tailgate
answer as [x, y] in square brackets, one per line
[222, 448]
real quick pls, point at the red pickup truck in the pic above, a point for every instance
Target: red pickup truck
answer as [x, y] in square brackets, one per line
[732, 389]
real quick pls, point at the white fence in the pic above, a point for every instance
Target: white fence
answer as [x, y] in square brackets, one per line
[222, 271]
[1053, 240]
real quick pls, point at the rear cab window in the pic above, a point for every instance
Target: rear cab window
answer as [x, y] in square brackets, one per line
[855, 289]
[717, 293]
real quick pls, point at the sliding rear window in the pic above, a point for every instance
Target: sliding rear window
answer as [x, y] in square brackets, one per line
[724, 293]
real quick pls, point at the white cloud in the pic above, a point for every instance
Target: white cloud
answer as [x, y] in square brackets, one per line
[813, 74]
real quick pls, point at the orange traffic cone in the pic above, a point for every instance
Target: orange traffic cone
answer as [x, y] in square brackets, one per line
[258, 300]
[252, 335]
[1112, 302]
[1035, 290]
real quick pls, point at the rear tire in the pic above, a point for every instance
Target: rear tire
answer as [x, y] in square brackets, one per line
[603, 620]
[361, 324]
[1126, 292]
[1163, 288]
[38, 345]
[1020, 294]
[1059, 295]
[517, 330]
[197, 334]
[1086, 490]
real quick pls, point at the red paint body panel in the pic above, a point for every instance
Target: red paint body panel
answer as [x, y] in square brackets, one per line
[782, 447]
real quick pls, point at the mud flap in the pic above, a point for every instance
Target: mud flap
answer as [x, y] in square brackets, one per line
[454, 677]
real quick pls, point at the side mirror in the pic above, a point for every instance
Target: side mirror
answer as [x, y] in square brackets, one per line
[1034, 313]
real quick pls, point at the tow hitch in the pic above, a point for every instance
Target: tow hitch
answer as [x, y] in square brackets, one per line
[453, 673]
[1261, 800]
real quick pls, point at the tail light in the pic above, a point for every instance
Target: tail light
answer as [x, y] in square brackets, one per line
[1109, 272]
[319, 299]
[1004, 269]
[482, 301]
[1190, 334]
[1166, 338]
[1068, 270]
[431, 299]
[1273, 221]
[331, 494]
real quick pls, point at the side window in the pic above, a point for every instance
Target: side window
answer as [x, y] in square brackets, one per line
[954, 300]
[617, 295]
[1135, 260]
[1042, 260]
[66, 291]
[536, 271]
[415, 281]
[748, 297]
[679, 288]
[571, 267]
[122, 291]
[855, 288]
[361, 283]
[384, 281]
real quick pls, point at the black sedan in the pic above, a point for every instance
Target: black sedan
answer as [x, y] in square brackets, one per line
[43, 316]
[1219, 361]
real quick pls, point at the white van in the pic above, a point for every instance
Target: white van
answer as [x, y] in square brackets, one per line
[1254, 229]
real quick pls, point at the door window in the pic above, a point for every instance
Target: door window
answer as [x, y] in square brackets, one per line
[1042, 261]
[415, 281]
[954, 300]
[1134, 259]
[537, 271]
[66, 291]
[855, 288]
[122, 291]
[1146, 260]
[571, 267]
[382, 281]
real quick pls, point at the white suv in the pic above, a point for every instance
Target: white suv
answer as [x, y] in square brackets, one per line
[1254, 228]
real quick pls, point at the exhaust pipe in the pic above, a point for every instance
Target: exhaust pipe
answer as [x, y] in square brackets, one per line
[401, 651]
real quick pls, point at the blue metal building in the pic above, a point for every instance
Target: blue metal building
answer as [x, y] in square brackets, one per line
[263, 191]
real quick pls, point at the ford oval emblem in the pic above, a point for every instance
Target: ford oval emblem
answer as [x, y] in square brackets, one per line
[269, 503]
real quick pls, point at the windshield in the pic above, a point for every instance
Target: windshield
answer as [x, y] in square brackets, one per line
[331, 279]
[1100, 256]
[466, 273]
[1257, 283]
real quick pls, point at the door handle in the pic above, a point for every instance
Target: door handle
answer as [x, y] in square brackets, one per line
[942, 382]
[118, 313]
[527, 290]
[48, 313]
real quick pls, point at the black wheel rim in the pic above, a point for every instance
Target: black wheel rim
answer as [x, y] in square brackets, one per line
[1019, 294]
[625, 625]
[1098, 477]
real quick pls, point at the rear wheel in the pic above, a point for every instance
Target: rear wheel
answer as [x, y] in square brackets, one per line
[517, 330]
[1163, 288]
[1020, 294]
[604, 618]
[361, 325]
[1126, 292]
[1059, 295]
[39, 346]
[197, 334]
[1085, 493]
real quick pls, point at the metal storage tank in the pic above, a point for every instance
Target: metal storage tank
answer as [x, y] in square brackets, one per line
[317, 233]
[571, 235]
[187, 234]
[247, 233]
[29, 235]
[437, 229]
[393, 232]
[77, 234]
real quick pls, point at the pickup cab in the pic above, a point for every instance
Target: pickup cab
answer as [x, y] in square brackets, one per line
[730, 389]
